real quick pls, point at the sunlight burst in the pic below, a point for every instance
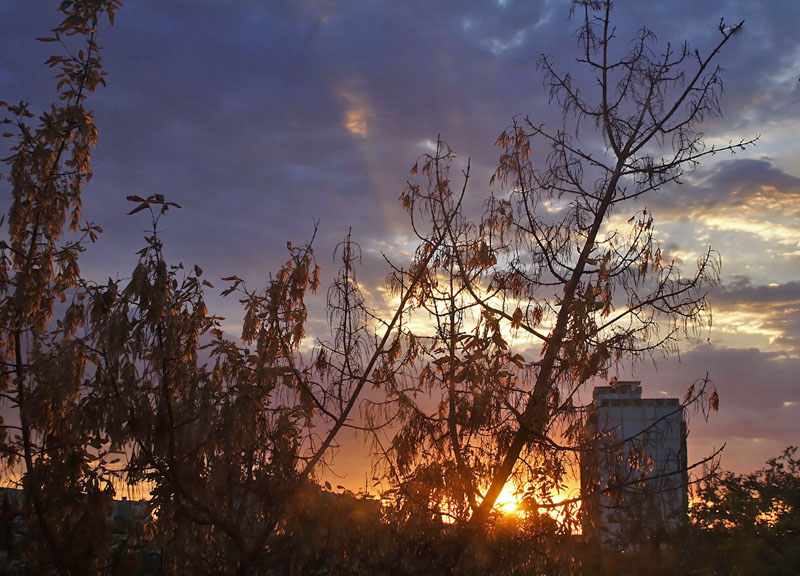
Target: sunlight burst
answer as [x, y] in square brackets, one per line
[507, 502]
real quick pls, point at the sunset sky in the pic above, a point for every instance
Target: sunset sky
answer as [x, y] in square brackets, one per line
[261, 118]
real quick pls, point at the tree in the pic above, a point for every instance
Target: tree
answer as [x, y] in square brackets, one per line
[546, 265]
[225, 433]
[53, 449]
[748, 523]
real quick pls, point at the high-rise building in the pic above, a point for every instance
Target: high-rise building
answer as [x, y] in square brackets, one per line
[633, 470]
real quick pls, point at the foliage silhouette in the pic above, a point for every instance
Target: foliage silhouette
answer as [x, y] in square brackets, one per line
[59, 450]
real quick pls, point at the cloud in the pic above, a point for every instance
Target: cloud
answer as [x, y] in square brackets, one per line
[744, 186]
[742, 291]
[766, 310]
[747, 209]
[759, 401]
[357, 110]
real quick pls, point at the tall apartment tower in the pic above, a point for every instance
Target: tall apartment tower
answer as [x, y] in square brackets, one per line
[633, 471]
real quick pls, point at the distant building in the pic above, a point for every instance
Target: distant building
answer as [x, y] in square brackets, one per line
[633, 472]
[126, 511]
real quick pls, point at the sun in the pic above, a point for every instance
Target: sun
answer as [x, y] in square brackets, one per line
[507, 502]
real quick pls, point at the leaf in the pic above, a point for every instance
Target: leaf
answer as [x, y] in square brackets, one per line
[139, 208]
[516, 318]
[135, 199]
[689, 394]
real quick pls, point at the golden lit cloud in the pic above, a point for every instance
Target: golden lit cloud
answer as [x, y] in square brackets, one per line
[755, 320]
[357, 110]
[772, 232]
[749, 323]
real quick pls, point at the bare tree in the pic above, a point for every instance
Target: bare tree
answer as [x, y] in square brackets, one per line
[547, 268]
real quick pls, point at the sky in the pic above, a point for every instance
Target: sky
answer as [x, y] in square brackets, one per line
[264, 119]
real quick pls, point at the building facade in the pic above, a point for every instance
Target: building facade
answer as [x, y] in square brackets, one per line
[634, 467]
